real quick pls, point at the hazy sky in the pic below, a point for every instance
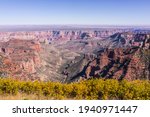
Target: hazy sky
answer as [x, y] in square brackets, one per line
[121, 12]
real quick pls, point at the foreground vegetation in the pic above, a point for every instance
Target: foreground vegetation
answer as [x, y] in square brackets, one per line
[90, 89]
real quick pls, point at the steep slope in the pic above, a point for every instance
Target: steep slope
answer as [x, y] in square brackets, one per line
[120, 61]
[30, 60]
[127, 39]
[19, 58]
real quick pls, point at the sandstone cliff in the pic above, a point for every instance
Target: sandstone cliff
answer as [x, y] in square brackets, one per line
[20, 58]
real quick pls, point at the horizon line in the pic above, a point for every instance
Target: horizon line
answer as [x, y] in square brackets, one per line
[74, 24]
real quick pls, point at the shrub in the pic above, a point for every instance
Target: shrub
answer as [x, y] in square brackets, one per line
[90, 89]
[8, 86]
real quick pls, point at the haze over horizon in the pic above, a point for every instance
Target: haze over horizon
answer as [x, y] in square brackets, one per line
[80, 12]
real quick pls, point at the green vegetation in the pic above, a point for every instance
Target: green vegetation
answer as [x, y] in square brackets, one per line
[90, 89]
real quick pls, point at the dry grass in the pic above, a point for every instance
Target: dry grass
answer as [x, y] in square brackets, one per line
[20, 96]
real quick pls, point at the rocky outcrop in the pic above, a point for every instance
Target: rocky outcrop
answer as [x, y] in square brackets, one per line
[116, 63]
[130, 39]
[131, 62]
[20, 58]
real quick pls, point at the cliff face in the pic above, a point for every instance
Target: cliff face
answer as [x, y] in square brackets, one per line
[129, 39]
[59, 34]
[126, 62]
[20, 58]
[119, 64]
[31, 60]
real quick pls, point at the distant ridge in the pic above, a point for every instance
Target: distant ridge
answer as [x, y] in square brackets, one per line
[14, 28]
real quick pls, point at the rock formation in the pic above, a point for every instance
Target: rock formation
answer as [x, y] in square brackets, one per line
[20, 58]
[123, 55]
[127, 62]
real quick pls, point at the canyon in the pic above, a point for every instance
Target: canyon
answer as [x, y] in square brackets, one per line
[71, 55]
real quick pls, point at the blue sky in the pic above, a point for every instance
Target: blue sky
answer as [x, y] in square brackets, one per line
[86, 12]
